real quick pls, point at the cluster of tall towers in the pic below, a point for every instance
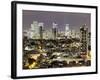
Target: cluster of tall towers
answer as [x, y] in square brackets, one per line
[37, 31]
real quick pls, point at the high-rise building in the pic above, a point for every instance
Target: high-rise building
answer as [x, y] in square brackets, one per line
[67, 31]
[89, 41]
[54, 30]
[34, 31]
[41, 30]
[35, 27]
[84, 39]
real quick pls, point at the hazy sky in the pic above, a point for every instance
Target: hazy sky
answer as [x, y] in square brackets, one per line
[75, 20]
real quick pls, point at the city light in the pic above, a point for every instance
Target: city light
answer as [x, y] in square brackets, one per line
[53, 48]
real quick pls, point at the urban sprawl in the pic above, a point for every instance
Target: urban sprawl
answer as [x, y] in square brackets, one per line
[53, 48]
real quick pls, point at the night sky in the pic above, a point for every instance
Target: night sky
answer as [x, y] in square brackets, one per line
[75, 20]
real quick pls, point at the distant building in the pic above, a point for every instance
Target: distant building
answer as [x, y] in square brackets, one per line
[67, 31]
[41, 25]
[54, 30]
[77, 35]
[74, 34]
[61, 35]
[51, 33]
[71, 33]
[25, 33]
[34, 30]
[47, 34]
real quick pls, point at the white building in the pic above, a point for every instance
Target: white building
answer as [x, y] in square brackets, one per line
[54, 25]
[67, 30]
[34, 31]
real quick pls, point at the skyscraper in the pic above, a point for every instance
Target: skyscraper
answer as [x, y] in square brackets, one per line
[84, 39]
[89, 41]
[67, 30]
[34, 30]
[54, 30]
[41, 25]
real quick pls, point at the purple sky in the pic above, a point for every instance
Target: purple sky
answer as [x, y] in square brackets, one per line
[75, 20]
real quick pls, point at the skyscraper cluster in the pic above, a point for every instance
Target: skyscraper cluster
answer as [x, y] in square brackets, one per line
[38, 31]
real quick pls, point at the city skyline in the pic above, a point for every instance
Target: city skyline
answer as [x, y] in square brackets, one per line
[56, 39]
[75, 20]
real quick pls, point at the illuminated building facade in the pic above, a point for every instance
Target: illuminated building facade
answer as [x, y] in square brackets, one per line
[89, 41]
[84, 39]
